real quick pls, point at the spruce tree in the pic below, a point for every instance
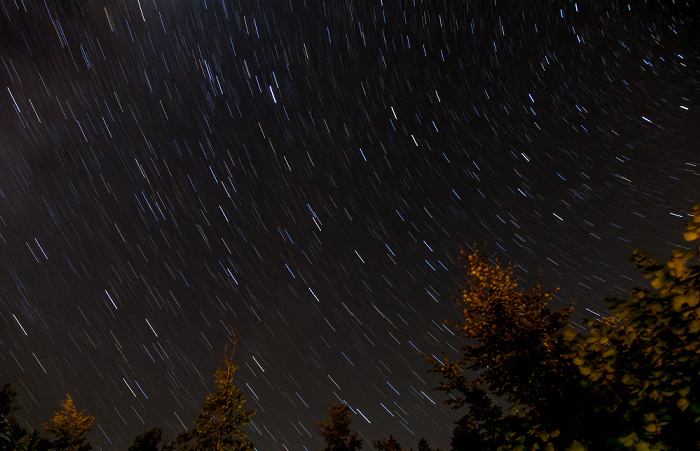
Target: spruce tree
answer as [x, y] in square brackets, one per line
[336, 430]
[220, 424]
[423, 445]
[387, 444]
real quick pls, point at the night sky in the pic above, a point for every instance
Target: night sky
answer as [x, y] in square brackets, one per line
[304, 173]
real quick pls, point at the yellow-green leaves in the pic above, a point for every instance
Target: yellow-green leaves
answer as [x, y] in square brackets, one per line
[576, 446]
[628, 440]
[632, 374]
[682, 404]
[569, 334]
[70, 427]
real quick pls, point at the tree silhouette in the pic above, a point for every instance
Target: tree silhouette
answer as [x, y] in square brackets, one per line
[152, 440]
[70, 427]
[336, 430]
[423, 445]
[220, 424]
[387, 444]
[12, 435]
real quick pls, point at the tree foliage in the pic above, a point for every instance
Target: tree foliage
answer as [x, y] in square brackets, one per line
[70, 427]
[220, 424]
[12, 435]
[10, 431]
[152, 440]
[423, 445]
[512, 353]
[630, 380]
[336, 430]
[643, 361]
[387, 444]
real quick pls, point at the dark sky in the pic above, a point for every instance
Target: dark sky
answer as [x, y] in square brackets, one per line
[304, 173]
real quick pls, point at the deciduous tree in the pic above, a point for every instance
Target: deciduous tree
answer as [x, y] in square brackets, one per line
[512, 356]
[11, 433]
[642, 363]
[631, 378]
[13, 436]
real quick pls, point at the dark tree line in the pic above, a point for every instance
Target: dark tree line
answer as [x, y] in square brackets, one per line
[525, 379]
[219, 426]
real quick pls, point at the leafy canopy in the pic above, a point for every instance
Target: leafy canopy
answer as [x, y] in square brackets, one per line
[512, 354]
[632, 377]
[643, 361]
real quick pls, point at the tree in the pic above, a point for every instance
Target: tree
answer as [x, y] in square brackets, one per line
[11, 433]
[336, 430]
[387, 444]
[33, 441]
[423, 445]
[632, 376]
[13, 436]
[219, 425]
[152, 440]
[512, 356]
[642, 363]
[70, 427]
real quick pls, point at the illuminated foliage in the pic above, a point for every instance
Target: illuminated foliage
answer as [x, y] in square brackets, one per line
[70, 427]
[513, 353]
[643, 361]
[220, 424]
[630, 382]
[336, 430]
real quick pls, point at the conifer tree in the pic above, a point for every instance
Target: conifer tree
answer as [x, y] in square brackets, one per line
[336, 430]
[423, 445]
[13, 436]
[11, 433]
[220, 424]
[70, 427]
[387, 444]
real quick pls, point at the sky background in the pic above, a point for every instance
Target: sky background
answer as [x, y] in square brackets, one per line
[304, 173]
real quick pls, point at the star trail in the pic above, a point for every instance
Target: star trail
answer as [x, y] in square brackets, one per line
[304, 173]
